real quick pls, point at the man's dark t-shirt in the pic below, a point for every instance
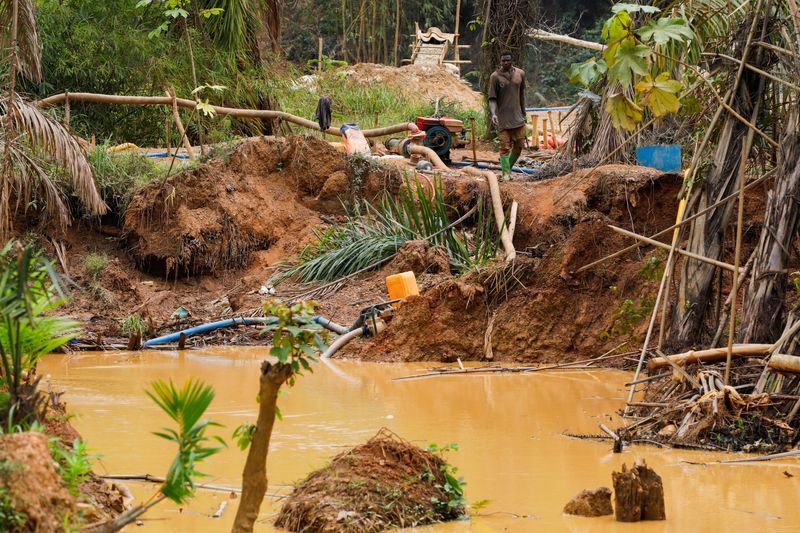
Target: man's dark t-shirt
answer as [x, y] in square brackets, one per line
[508, 88]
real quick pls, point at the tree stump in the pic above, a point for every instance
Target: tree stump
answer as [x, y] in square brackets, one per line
[638, 494]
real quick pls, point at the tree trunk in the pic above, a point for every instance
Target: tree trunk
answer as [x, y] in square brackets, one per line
[268, 40]
[254, 477]
[764, 301]
[707, 233]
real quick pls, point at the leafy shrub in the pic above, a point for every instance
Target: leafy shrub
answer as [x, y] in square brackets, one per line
[74, 465]
[95, 264]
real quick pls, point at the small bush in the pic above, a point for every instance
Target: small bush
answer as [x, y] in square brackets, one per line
[134, 324]
[95, 264]
[74, 464]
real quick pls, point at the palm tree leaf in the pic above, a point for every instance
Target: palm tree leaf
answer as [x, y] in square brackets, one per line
[28, 43]
[51, 138]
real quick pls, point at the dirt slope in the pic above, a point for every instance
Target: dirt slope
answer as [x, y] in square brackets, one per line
[551, 315]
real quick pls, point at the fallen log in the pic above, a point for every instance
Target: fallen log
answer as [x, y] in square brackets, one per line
[708, 356]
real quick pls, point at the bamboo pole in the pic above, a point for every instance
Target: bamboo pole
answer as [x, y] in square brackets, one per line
[660, 244]
[662, 327]
[708, 356]
[319, 54]
[219, 110]
[736, 260]
[544, 133]
[535, 126]
[785, 363]
[674, 226]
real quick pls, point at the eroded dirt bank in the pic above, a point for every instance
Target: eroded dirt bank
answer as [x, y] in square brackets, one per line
[208, 238]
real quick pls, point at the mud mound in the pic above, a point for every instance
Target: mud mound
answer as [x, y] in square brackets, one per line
[426, 81]
[551, 315]
[33, 486]
[270, 192]
[383, 484]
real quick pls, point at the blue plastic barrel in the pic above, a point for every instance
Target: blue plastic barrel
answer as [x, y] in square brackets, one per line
[664, 157]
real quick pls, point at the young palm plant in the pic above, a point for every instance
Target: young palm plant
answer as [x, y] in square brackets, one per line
[372, 235]
[29, 138]
[185, 406]
[29, 288]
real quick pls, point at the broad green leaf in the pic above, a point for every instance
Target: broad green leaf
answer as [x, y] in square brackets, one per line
[280, 352]
[177, 12]
[624, 113]
[211, 11]
[662, 31]
[158, 30]
[634, 8]
[659, 95]
[206, 108]
[617, 27]
[587, 73]
[631, 58]
[142, 3]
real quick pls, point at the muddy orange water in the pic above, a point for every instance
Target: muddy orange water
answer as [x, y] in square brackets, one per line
[509, 428]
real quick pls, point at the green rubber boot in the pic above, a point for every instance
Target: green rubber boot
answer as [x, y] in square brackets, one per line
[505, 165]
[512, 158]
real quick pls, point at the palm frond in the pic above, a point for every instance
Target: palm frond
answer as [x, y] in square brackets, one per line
[48, 137]
[28, 43]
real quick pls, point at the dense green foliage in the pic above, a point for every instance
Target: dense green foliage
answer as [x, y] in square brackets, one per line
[29, 290]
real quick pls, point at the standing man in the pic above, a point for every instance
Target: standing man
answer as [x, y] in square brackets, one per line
[507, 108]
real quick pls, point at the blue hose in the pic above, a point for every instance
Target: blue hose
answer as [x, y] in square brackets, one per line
[165, 154]
[247, 321]
[481, 164]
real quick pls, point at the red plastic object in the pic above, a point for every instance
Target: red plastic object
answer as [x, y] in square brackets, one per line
[452, 124]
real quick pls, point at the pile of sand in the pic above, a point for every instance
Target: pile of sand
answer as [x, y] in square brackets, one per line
[428, 81]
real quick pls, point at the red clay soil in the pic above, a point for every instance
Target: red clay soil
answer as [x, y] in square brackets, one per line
[267, 196]
[32, 485]
[386, 483]
[229, 223]
[553, 315]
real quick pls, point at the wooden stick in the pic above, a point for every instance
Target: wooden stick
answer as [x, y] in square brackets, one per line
[662, 327]
[472, 138]
[512, 225]
[543, 35]
[535, 126]
[785, 363]
[671, 228]
[497, 207]
[544, 134]
[756, 70]
[760, 458]
[319, 54]
[660, 244]
[649, 378]
[167, 133]
[66, 110]
[175, 115]
[736, 261]
[708, 356]
[523, 369]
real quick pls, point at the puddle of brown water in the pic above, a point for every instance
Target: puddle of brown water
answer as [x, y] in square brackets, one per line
[508, 428]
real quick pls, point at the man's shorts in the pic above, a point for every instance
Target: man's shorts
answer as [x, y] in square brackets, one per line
[515, 137]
